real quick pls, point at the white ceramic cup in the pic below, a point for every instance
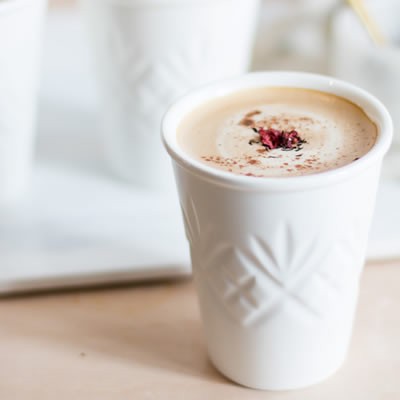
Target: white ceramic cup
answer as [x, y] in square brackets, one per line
[277, 261]
[148, 52]
[21, 23]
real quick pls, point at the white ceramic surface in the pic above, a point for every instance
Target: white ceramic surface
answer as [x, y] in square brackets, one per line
[20, 42]
[277, 261]
[150, 52]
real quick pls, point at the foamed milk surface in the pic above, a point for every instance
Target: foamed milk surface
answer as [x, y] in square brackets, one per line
[219, 132]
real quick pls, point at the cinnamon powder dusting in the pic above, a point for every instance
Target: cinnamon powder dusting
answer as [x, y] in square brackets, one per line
[286, 132]
[268, 139]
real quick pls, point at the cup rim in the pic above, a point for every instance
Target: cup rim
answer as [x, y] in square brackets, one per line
[374, 109]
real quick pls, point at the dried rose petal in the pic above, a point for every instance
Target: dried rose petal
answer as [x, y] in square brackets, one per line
[289, 139]
[270, 138]
[274, 139]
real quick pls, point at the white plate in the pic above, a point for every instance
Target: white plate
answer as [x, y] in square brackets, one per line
[81, 226]
[77, 228]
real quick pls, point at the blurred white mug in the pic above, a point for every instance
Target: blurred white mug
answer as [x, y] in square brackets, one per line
[21, 24]
[293, 35]
[149, 52]
[356, 58]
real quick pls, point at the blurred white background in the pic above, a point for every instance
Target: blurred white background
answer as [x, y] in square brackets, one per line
[80, 220]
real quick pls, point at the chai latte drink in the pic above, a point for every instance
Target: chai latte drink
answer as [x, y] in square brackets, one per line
[277, 132]
[277, 174]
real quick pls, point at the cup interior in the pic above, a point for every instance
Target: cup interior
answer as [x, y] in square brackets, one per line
[374, 109]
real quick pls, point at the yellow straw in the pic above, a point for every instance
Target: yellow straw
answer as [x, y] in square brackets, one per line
[372, 28]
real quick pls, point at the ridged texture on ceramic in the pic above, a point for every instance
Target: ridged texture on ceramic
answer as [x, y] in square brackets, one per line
[277, 275]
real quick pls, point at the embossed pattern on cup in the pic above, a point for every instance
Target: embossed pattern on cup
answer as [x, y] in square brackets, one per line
[298, 272]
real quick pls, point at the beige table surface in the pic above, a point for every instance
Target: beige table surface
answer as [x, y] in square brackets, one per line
[145, 342]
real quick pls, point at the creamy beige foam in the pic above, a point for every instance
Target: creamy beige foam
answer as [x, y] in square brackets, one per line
[219, 133]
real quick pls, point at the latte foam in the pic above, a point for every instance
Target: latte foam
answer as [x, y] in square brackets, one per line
[223, 133]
